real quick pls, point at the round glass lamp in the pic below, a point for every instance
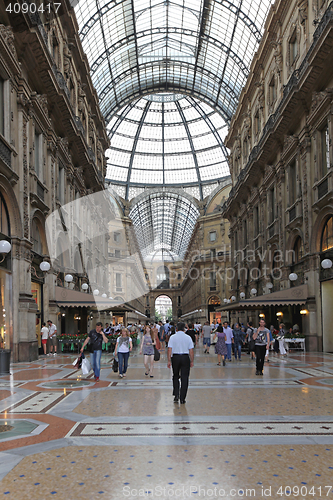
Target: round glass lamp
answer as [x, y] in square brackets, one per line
[104, 295]
[293, 276]
[84, 286]
[44, 266]
[96, 292]
[233, 298]
[68, 278]
[325, 264]
[254, 291]
[242, 295]
[5, 246]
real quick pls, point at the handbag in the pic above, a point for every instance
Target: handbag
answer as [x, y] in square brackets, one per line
[115, 365]
[156, 354]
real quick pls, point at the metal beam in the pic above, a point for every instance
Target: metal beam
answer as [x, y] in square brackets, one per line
[180, 111]
[137, 134]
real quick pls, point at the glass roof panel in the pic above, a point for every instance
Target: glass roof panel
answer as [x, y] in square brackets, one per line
[160, 220]
[202, 47]
[168, 141]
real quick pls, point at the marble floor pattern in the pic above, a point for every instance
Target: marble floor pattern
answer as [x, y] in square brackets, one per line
[64, 436]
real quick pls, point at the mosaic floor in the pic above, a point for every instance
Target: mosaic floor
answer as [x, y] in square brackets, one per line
[64, 436]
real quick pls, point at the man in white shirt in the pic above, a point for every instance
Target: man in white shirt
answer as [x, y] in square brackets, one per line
[52, 337]
[181, 356]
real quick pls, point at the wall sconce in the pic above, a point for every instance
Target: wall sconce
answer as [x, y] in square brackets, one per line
[43, 266]
[242, 295]
[325, 264]
[269, 285]
[104, 295]
[233, 298]
[304, 311]
[63, 314]
[225, 301]
[84, 286]
[68, 278]
[254, 291]
[96, 292]
[293, 276]
[5, 247]
[279, 314]
[261, 315]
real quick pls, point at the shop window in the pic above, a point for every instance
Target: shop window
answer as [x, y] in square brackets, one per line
[298, 250]
[2, 107]
[4, 221]
[325, 150]
[327, 235]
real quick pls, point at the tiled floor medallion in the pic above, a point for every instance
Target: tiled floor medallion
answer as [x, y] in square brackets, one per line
[40, 402]
[203, 429]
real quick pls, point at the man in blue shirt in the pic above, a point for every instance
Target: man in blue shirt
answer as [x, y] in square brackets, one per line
[229, 338]
[181, 356]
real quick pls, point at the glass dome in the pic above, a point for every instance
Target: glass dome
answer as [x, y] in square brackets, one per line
[166, 140]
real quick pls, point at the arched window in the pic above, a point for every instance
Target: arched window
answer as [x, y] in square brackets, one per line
[4, 217]
[214, 301]
[298, 250]
[327, 235]
[35, 238]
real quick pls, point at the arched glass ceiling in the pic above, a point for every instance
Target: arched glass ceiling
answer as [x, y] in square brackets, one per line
[166, 139]
[198, 47]
[164, 221]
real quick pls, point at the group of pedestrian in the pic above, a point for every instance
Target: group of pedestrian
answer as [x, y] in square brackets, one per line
[49, 333]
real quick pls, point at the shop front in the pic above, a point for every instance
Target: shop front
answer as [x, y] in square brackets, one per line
[285, 306]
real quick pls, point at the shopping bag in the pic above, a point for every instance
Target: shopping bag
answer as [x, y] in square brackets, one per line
[115, 365]
[78, 362]
[85, 366]
[156, 354]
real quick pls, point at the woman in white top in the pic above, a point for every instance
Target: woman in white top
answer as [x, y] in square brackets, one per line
[123, 348]
[45, 336]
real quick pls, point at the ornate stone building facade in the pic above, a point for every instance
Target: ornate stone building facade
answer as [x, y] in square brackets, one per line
[281, 158]
[206, 283]
[52, 138]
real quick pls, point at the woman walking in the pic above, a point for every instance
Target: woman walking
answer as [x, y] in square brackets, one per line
[147, 348]
[220, 346]
[261, 338]
[123, 348]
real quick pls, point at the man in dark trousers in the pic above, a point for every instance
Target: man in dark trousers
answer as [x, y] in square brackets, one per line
[181, 356]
